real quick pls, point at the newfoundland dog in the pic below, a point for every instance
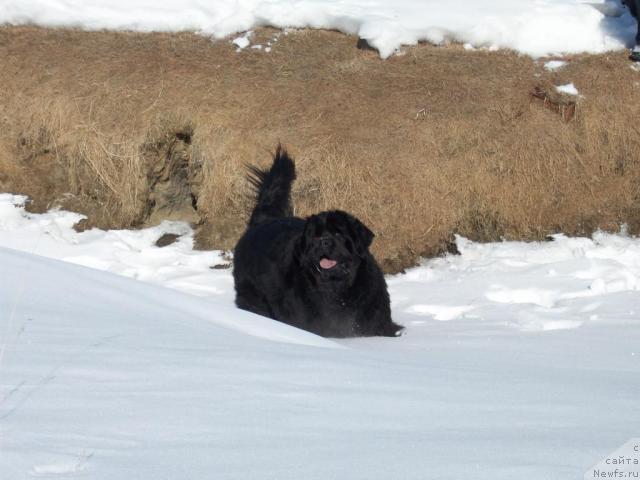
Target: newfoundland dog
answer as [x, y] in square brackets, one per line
[315, 273]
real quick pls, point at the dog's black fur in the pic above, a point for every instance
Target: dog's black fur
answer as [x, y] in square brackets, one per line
[634, 9]
[316, 273]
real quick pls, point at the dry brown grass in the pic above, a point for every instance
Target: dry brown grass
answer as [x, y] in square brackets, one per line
[132, 128]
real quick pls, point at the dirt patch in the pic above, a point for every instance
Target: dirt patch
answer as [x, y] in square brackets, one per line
[565, 108]
[173, 177]
[134, 128]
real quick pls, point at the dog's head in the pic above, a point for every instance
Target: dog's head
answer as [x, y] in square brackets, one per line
[333, 246]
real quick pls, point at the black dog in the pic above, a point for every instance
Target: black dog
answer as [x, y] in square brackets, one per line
[316, 273]
[634, 9]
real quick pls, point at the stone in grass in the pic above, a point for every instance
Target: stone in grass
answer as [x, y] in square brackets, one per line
[167, 239]
[363, 44]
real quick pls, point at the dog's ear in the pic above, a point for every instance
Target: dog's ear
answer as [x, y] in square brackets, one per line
[362, 233]
[310, 231]
[311, 228]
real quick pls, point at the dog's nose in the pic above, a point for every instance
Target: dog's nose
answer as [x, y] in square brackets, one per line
[325, 242]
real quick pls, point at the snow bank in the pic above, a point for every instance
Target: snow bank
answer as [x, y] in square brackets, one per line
[124, 252]
[534, 28]
[105, 377]
[562, 284]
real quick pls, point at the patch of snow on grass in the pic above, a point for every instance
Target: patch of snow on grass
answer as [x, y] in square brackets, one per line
[553, 65]
[243, 41]
[569, 89]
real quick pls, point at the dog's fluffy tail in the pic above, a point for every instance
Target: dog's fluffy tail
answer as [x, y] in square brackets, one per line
[273, 188]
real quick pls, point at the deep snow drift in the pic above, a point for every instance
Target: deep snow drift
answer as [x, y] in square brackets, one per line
[535, 28]
[519, 361]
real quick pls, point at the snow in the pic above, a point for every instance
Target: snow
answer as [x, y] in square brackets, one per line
[553, 65]
[535, 28]
[520, 360]
[243, 41]
[569, 89]
[129, 253]
[553, 285]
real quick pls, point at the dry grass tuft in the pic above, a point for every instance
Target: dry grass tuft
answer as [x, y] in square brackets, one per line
[131, 129]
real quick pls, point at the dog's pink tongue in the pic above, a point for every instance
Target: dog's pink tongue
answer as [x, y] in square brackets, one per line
[327, 263]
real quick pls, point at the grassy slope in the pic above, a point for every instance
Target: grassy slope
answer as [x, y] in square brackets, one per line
[133, 128]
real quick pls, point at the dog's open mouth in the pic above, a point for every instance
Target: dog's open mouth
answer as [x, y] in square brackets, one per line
[327, 263]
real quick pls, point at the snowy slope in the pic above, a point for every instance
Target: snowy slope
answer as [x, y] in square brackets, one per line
[534, 28]
[561, 284]
[519, 361]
